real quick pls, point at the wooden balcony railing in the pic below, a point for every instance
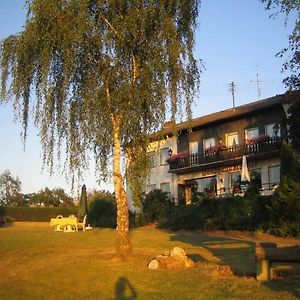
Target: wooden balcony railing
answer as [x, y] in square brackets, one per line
[228, 153]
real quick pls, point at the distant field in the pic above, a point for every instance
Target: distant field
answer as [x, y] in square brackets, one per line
[38, 263]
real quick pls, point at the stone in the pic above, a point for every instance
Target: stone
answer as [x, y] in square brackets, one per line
[154, 264]
[178, 252]
[177, 259]
[170, 263]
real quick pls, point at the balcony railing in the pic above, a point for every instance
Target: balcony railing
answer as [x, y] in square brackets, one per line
[225, 154]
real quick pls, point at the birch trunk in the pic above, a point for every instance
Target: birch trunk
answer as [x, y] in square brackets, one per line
[123, 246]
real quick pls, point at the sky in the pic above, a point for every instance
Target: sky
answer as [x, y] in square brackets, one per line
[236, 40]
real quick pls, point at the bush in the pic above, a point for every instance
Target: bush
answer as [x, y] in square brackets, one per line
[230, 213]
[102, 213]
[285, 209]
[156, 206]
[4, 219]
[39, 214]
[183, 217]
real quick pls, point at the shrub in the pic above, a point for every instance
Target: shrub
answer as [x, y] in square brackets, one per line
[39, 214]
[102, 213]
[183, 217]
[285, 209]
[231, 213]
[4, 219]
[156, 205]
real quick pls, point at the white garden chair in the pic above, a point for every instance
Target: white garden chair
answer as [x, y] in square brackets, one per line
[81, 225]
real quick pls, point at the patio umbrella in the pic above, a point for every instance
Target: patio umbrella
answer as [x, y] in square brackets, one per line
[245, 177]
[83, 205]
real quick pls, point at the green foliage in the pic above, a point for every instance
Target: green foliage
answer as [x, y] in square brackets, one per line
[96, 64]
[290, 7]
[294, 123]
[102, 213]
[184, 217]
[39, 214]
[10, 190]
[231, 213]
[289, 167]
[48, 198]
[156, 205]
[94, 195]
[285, 208]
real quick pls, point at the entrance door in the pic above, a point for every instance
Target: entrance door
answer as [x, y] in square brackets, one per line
[181, 194]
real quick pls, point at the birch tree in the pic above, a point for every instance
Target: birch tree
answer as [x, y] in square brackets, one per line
[98, 76]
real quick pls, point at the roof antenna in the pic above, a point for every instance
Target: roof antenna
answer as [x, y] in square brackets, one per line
[232, 89]
[257, 85]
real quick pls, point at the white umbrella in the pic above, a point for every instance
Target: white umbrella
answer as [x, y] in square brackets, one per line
[245, 173]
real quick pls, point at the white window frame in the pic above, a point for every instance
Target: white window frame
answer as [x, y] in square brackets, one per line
[250, 136]
[153, 158]
[163, 155]
[165, 184]
[269, 179]
[231, 134]
[193, 147]
[150, 188]
[269, 130]
[209, 141]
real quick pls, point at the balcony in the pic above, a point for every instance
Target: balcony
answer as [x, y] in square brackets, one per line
[217, 157]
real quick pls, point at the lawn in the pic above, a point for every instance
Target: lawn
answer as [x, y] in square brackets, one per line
[38, 263]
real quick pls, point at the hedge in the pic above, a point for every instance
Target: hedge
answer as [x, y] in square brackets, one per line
[39, 214]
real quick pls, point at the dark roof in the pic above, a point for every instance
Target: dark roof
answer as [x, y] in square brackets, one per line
[221, 115]
[232, 112]
[235, 112]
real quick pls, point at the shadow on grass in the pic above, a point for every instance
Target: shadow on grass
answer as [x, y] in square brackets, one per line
[124, 290]
[239, 255]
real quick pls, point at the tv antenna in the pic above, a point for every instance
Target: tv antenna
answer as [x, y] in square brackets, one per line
[257, 85]
[232, 89]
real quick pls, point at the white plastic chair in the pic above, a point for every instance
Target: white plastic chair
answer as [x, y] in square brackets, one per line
[81, 225]
[59, 227]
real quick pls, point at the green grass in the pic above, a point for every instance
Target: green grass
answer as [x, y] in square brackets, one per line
[38, 263]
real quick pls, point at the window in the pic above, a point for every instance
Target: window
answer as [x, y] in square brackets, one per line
[165, 187]
[235, 182]
[251, 133]
[152, 159]
[193, 147]
[232, 139]
[151, 187]
[164, 154]
[255, 178]
[207, 185]
[269, 130]
[274, 175]
[208, 143]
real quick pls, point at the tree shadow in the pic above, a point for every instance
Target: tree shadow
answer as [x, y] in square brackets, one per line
[239, 255]
[124, 290]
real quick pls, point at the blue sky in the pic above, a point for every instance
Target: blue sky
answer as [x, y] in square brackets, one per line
[236, 40]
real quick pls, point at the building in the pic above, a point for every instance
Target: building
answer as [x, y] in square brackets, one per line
[206, 154]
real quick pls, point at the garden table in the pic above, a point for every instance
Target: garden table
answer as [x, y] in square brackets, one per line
[66, 223]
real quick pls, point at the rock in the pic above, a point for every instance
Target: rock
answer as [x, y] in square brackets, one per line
[170, 263]
[177, 259]
[178, 252]
[153, 265]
